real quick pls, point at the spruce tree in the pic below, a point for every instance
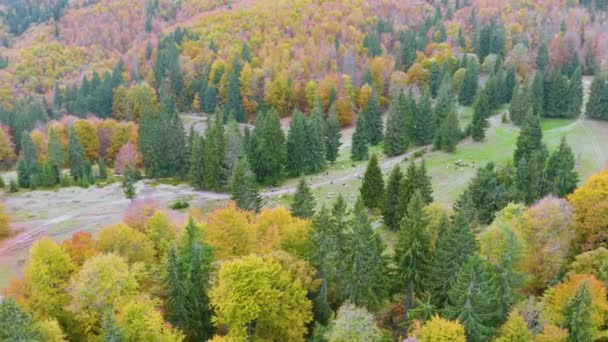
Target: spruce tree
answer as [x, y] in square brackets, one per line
[28, 167]
[110, 332]
[468, 88]
[449, 133]
[268, 142]
[391, 198]
[197, 162]
[413, 250]
[423, 184]
[332, 136]
[243, 188]
[372, 188]
[235, 148]
[373, 117]
[360, 140]
[56, 152]
[542, 56]
[76, 156]
[597, 105]
[214, 175]
[435, 79]
[297, 147]
[366, 267]
[508, 86]
[560, 177]
[480, 117]
[102, 168]
[424, 120]
[575, 93]
[455, 244]
[446, 101]
[530, 139]
[556, 95]
[472, 299]
[128, 183]
[577, 315]
[177, 312]
[15, 324]
[396, 140]
[521, 104]
[406, 191]
[304, 203]
[233, 109]
[315, 140]
[538, 95]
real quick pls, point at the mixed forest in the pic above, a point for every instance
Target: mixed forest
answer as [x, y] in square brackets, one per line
[97, 92]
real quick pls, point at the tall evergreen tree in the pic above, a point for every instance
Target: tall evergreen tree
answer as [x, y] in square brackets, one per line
[110, 332]
[424, 120]
[575, 94]
[577, 315]
[396, 140]
[196, 169]
[413, 250]
[268, 145]
[472, 299]
[304, 203]
[372, 188]
[423, 183]
[538, 94]
[406, 191]
[332, 136]
[556, 95]
[315, 140]
[391, 198]
[360, 140]
[366, 266]
[521, 104]
[15, 324]
[542, 56]
[233, 109]
[530, 139]
[435, 79]
[560, 177]
[455, 244]
[480, 117]
[243, 187]
[597, 105]
[28, 167]
[373, 117]
[214, 175]
[446, 101]
[76, 156]
[297, 147]
[449, 133]
[468, 88]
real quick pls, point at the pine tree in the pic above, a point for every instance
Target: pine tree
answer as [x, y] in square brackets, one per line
[373, 117]
[210, 99]
[28, 167]
[332, 136]
[455, 244]
[542, 56]
[575, 93]
[435, 79]
[509, 84]
[577, 315]
[366, 267]
[480, 117]
[423, 184]
[425, 122]
[76, 156]
[449, 133]
[391, 198]
[597, 105]
[128, 183]
[235, 147]
[304, 203]
[243, 187]
[315, 140]
[360, 140]
[214, 175]
[176, 293]
[372, 188]
[297, 147]
[468, 89]
[560, 177]
[396, 140]
[268, 143]
[406, 191]
[472, 299]
[446, 101]
[15, 324]
[196, 169]
[521, 104]
[413, 250]
[556, 95]
[56, 152]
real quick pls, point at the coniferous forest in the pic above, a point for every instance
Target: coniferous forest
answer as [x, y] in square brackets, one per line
[324, 171]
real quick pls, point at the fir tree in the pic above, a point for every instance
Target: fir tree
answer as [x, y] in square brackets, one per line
[423, 184]
[372, 188]
[391, 198]
[304, 203]
[268, 145]
[413, 250]
[538, 95]
[508, 86]
[360, 141]
[233, 109]
[542, 56]
[176, 293]
[214, 175]
[103, 169]
[480, 117]
[110, 332]
[455, 244]
[297, 147]
[449, 133]
[396, 139]
[435, 79]
[597, 105]
[424, 120]
[244, 188]
[560, 177]
[128, 183]
[577, 315]
[406, 191]
[235, 147]
[373, 117]
[197, 162]
[56, 152]
[468, 89]
[521, 104]
[530, 139]
[575, 94]
[332, 136]
[315, 140]
[28, 167]
[556, 95]
[446, 101]
[15, 324]
[210, 99]
[366, 267]
[76, 156]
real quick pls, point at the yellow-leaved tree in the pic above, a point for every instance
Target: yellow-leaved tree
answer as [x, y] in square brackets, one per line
[438, 329]
[127, 242]
[590, 203]
[229, 232]
[259, 299]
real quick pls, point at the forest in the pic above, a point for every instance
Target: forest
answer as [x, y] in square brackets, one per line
[306, 170]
